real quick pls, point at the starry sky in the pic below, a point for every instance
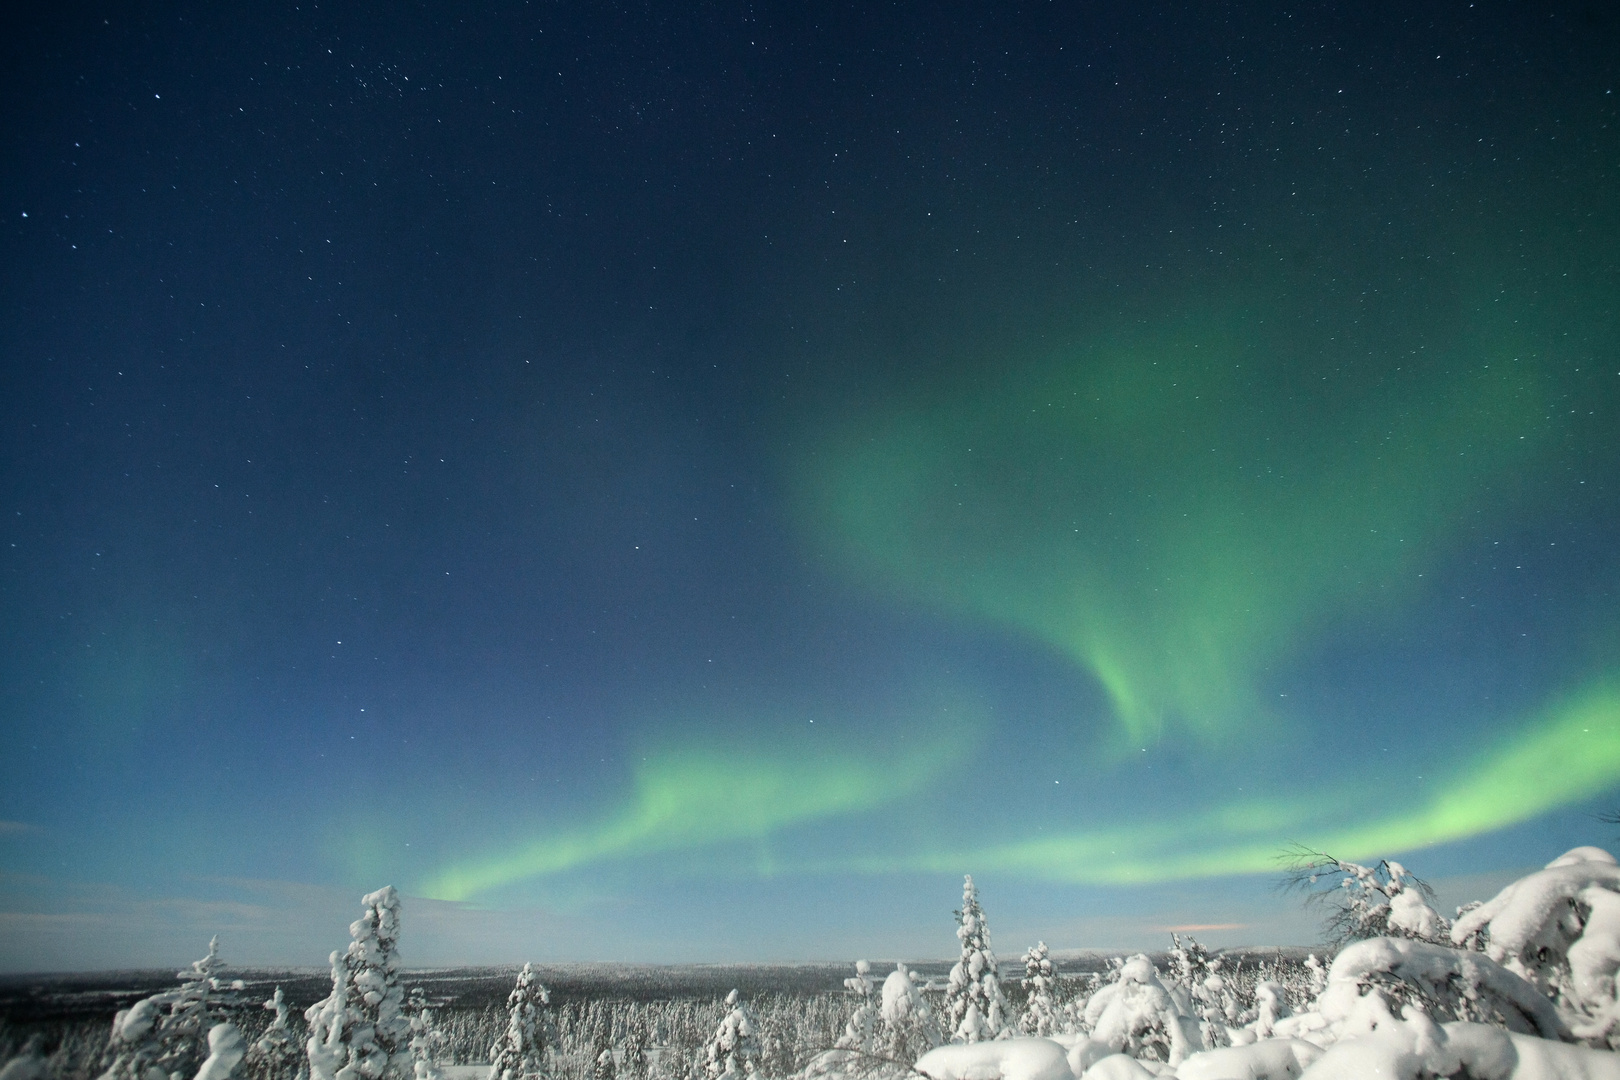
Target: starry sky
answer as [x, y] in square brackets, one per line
[687, 482]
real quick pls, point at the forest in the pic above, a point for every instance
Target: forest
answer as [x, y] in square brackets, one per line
[1520, 986]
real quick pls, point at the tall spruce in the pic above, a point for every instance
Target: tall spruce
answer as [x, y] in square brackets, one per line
[734, 1050]
[1040, 979]
[975, 1009]
[360, 1031]
[427, 1041]
[521, 1051]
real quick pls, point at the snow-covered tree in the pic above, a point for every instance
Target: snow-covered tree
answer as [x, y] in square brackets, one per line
[1385, 900]
[734, 1050]
[30, 1062]
[427, 1041]
[636, 1040]
[168, 1036]
[1559, 929]
[975, 1009]
[226, 1049]
[1136, 1014]
[776, 1053]
[1202, 990]
[275, 1055]
[521, 1052]
[1317, 975]
[1375, 982]
[910, 1028]
[1271, 1005]
[360, 1031]
[603, 1067]
[856, 1050]
[1041, 1015]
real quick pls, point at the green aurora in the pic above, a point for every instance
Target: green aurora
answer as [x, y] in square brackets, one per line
[1569, 753]
[694, 799]
[708, 793]
[1180, 509]
[1176, 508]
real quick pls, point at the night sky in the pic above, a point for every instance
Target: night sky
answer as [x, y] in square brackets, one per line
[690, 481]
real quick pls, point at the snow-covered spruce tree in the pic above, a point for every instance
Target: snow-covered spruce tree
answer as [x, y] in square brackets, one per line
[427, 1041]
[360, 1031]
[276, 1055]
[856, 1050]
[975, 1009]
[1041, 1015]
[521, 1051]
[1559, 930]
[169, 1036]
[603, 1067]
[734, 1050]
[776, 1056]
[636, 1040]
[1385, 900]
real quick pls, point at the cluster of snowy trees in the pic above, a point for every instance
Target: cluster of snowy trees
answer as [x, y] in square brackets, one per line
[1521, 987]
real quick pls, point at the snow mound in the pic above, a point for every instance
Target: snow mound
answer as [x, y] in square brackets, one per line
[1004, 1059]
[1274, 1059]
[1118, 1067]
[1416, 1048]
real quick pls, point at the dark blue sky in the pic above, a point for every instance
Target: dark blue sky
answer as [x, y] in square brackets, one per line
[625, 475]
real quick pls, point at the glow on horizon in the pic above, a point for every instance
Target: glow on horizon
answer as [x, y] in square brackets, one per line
[698, 798]
[708, 794]
[1569, 753]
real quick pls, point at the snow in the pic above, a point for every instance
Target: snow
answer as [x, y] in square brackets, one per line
[360, 1029]
[1523, 989]
[28, 1065]
[902, 1001]
[1274, 1059]
[974, 1007]
[1559, 928]
[521, 1050]
[734, 1050]
[1441, 973]
[1525, 916]
[225, 1052]
[1542, 1059]
[1410, 913]
[1137, 1014]
[1415, 1047]
[1003, 1059]
[158, 1037]
[1118, 1067]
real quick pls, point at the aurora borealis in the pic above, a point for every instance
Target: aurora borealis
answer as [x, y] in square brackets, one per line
[689, 484]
